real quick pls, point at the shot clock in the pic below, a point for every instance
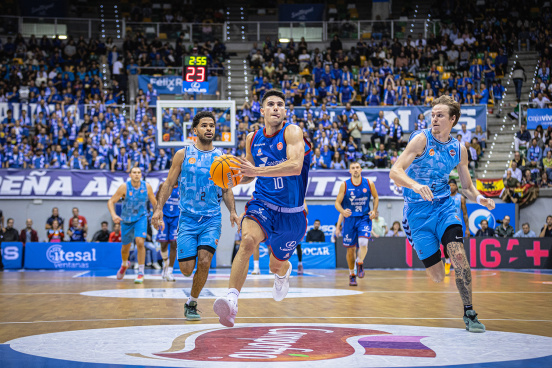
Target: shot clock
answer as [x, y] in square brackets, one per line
[195, 69]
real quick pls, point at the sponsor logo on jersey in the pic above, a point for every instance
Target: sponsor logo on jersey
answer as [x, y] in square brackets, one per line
[365, 190]
[432, 152]
[452, 152]
[192, 160]
[280, 146]
[458, 218]
[259, 152]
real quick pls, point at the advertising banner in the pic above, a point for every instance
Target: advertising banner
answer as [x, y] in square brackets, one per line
[481, 253]
[471, 115]
[170, 84]
[537, 117]
[73, 256]
[95, 184]
[300, 12]
[476, 213]
[41, 8]
[12, 254]
[315, 255]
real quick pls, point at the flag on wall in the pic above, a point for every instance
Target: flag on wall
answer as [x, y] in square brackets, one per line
[490, 187]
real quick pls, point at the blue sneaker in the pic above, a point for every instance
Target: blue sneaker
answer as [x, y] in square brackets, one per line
[472, 323]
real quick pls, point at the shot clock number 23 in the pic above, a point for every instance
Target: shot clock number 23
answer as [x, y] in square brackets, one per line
[195, 69]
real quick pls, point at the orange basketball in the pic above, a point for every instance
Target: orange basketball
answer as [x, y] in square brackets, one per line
[222, 170]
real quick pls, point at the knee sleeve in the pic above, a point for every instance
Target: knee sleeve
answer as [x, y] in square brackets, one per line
[363, 242]
[453, 234]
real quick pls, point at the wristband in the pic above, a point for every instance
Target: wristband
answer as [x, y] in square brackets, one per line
[479, 198]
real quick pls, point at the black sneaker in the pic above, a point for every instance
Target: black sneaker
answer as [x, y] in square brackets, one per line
[352, 280]
[190, 312]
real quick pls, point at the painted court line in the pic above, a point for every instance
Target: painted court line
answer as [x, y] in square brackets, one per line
[273, 317]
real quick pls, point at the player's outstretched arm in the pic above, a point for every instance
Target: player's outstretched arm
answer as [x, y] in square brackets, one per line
[228, 198]
[376, 201]
[467, 186]
[291, 167]
[165, 190]
[398, 172]
[121, 191]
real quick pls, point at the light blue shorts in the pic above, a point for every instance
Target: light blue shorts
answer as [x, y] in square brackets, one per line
[136, 229]
[195, 232]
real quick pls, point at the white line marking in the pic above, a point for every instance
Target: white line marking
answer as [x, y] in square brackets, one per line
[80, 274]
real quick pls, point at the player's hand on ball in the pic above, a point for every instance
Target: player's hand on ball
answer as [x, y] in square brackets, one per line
[487, 202]
[157, 220]
[116, 219]
[246, 168]
[424, 191]
[346, 213]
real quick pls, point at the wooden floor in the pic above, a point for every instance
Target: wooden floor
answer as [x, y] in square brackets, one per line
[35, 303]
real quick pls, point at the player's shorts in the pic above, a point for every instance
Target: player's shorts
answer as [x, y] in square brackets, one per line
[170, 231]
[355, 227]
[197, 232]
[284, 228]
[425, 223]
[136, 229]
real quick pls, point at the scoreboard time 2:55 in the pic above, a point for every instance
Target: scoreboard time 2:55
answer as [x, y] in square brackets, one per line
[195, 69]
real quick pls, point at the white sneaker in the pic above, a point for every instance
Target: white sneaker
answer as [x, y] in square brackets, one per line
[136, 265]
[256, 271]
[281, 285]
[169, 276]
[226, 310]
[156, 265]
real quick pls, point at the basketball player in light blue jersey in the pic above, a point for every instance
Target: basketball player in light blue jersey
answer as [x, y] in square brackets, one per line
[430, 215]
[461, 210]
[168, 234]
[134, 220]
[279, 157]
[353, 203]
[199, 226]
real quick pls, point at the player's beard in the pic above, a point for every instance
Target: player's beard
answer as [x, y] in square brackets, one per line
[204, 140]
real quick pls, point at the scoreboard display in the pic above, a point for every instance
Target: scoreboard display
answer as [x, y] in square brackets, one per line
[194, 69]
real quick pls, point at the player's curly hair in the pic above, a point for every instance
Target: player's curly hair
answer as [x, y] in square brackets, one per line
[454, 107]
[202, 114]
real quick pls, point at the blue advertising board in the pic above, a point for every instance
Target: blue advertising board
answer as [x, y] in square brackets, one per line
[12, 254]
[300, 12]
[537, 117]
[327, 214]
[471, 115]
[73, 256]
[170, 85]
[315, 255]
[476, 213]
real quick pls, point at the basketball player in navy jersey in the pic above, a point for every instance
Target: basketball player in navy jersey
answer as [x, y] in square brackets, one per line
[353, 203]
[461, 210]
[169, 233]
[429, 215]
[279, 158]
[199, 225]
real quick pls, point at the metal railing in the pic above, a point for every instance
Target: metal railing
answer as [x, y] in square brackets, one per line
[201, 32]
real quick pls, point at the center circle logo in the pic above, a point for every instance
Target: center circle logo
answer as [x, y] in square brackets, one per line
[477, 216]
[267, 345]
[53, 253]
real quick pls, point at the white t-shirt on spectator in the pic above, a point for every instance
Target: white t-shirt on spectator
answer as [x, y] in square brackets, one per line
[117, 66]
[515, 174]
[466, 136]
[541, 103]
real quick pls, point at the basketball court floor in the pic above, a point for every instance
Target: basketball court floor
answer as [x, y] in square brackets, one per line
[391, 319]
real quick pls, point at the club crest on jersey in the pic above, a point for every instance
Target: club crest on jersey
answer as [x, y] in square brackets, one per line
[192, 160]
[452, 152]
[365, 190]
[259, 152]
[280, 145]
[458, 218]
[432, 152]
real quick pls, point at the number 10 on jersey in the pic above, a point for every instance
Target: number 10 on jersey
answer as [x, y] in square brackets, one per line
[279, 183]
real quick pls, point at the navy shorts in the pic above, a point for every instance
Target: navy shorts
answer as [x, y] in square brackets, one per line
[425, 223]
[283, 231]
[170, 231]
[355, 227]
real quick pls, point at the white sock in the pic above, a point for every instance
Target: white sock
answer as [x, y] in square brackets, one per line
[256, 265]
[124, 264]
[191, 299]
[447, 260]
[233, 295]
[141, 268]
[170, 270]
[358, 260]
[351, 272]
[300, 263]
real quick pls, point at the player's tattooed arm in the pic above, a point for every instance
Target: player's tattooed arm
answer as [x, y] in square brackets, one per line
[462, 271]
[228, 198]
